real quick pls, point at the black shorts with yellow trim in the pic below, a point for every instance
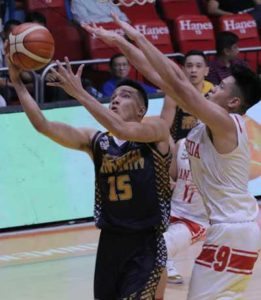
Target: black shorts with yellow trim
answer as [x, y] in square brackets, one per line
[129, 265]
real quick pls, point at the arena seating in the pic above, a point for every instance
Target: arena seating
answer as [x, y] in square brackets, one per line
[171, 9]
[193, 32]
[157, 33]
[171, 25]
[244, 26]
[61, 28]
[52, 10]
[140, 12]
[96, 48]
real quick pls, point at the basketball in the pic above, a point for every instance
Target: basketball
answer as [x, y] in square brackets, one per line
[31, 46]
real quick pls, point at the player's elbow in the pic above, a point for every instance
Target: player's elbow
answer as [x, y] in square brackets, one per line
[41, 126]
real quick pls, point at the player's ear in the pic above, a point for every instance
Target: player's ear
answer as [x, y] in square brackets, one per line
[234, 103]
[142, 111]
[206, 71]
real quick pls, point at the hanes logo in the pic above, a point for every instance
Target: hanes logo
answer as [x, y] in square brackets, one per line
[198, 28]
[240, 26]
[153, 31]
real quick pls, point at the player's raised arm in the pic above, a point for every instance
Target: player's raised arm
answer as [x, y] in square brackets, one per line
[119, 119]
[135, 55]
[63, 134]
[178, 86]
[168, 111]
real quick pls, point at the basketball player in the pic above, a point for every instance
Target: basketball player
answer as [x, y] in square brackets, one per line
[180, 122]
[188, 221]
[132, 181]
[196, 69]
[219, 158]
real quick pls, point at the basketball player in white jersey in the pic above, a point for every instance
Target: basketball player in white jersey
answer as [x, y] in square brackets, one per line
[188, 220]
[180, 123]
[219, 158]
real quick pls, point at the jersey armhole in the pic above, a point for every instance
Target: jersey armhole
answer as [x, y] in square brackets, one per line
[94, 141]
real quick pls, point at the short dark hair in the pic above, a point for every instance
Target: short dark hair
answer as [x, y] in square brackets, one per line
[249, 85]
[196, 52]
[225, 40]
[114, 57]
[35, 16]
[8, 25]
[137, 86]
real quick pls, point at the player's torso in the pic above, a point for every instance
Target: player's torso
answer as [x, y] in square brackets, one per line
[132, 182]
[222, 179]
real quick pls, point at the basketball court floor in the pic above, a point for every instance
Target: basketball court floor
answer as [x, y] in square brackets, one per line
[58, 263]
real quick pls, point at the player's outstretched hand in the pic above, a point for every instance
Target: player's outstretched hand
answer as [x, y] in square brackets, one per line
[108, 36]
[132, 33]
[71, 83]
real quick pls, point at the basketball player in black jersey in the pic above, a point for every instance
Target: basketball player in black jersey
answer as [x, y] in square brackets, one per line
[132, 195]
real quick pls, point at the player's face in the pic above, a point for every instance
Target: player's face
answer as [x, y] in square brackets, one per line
[195, 69]
[126, 102]
[120, 67]
[222, 93]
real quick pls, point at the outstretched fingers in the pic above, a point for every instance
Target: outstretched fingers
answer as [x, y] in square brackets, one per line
[79, 71]
[129, 30]
[68, 65]
[59, 79]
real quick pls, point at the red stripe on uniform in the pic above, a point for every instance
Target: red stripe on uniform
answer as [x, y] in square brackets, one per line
[246, 252]
[242, 262]
[203, 264]
[207, 255]
[239, 272]
[226, 259]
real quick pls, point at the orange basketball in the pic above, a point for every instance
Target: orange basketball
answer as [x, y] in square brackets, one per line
[31, 46]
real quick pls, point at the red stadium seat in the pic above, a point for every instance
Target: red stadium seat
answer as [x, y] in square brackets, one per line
[51, 9]
[171, 9]
[68, 42]
[63, 31]
[96, 48]
[157, 33]
[39, 4]
[138, 12]
[244, 26]
[194, 32]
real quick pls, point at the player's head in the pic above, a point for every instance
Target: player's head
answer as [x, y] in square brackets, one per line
[238, 92]
[119, 66]
[196, 66]
[8, 27]
[227, 44]
[129, 99]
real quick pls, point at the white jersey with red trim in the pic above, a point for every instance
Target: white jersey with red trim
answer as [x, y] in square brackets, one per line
[222, 179]
[186, 201]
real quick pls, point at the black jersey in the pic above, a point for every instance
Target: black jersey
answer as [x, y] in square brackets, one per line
[182, 124]
[132, 190]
